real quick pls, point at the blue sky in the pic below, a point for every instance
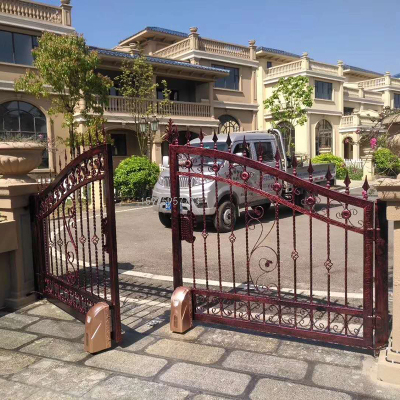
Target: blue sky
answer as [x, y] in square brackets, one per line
[361, 33]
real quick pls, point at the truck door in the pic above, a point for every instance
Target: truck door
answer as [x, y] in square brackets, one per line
[268, 157]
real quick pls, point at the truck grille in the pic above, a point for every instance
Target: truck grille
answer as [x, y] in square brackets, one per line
[183, 181]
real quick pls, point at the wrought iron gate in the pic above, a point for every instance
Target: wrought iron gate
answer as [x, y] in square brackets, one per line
[313, 266]
[75, 237]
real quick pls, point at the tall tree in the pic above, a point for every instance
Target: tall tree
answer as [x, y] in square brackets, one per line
[288, 105]
[65, 73]
[138, 87]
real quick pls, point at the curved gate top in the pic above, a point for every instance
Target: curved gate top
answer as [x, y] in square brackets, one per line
[75, 236]
[286, 255]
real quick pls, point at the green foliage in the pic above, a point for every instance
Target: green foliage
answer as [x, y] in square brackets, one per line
[137, 85]
[66, 67]
[134, 176]
[328, 158]
[288, 104]
[386, 162]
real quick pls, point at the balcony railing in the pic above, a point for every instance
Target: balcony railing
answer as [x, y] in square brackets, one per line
[301, 65]
[355, 93]
[208, 45]
[373, 83]
[174, 50]
[223, 48]
[123, 105]
[29, 9]
[355, 120]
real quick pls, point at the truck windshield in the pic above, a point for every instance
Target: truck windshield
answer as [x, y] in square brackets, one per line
[222, 146]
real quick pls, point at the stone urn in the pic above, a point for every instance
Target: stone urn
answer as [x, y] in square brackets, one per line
[17, 159]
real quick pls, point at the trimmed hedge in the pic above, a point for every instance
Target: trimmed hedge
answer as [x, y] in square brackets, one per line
[328, 158]
[135, 177]
[386, 163]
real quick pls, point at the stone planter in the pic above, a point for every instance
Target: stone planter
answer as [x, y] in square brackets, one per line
[17, 159]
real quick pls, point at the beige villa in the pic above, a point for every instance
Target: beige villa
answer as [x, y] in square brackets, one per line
[215, 86]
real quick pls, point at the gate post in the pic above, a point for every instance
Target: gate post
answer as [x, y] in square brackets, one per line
[112, 237]
[381, 275]
[175, 217]
[389, 358]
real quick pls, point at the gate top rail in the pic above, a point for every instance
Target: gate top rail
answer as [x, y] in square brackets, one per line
[294, 180]
[74, 175]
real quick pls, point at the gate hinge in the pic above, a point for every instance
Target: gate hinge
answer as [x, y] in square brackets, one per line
[374, 319]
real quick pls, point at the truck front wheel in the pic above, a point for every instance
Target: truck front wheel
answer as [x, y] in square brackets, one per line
[224, 221]
[165, 219]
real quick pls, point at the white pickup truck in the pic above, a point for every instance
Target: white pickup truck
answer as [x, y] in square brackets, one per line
[271, 141]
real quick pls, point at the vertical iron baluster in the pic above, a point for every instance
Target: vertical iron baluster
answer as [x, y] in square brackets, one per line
[310, 171]
[60, 242]
[278, 188]
[103, 249]
[295, 253]
[46, 245]
[95, 238]
[82, 238]
[64, 225]
[328, 262]
[204, 233]
[51, 242]
[88, 239]
[55, 241]
[216, 169]
[346, 250]
[245, 178]
[232, 236]
[189, 167]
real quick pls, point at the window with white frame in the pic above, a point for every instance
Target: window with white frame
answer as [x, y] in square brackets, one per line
[323, 90]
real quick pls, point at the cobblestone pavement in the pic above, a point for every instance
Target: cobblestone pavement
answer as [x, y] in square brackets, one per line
[42, 357]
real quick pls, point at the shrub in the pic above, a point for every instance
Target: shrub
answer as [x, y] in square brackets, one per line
[135, 176]
[355, 174]
[386, 162]
[330, 158]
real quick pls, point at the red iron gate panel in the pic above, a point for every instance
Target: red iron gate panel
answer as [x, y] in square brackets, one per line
[304, 268]
[75, 237]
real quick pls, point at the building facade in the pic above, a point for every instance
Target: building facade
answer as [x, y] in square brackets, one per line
[215, 86]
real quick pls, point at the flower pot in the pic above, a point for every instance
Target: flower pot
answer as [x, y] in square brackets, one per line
[17, 159]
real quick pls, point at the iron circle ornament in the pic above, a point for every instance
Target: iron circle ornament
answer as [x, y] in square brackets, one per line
[346, 214]
[188, 164]
[245, 176]
[310, 201]
[215, 168]
[277, 187]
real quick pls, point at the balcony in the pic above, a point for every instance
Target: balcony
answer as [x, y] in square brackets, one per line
[28, 9]
[378, 83]
[355, 120]
[123, 105]
[304, 64]
[354, 93]
[196, 43]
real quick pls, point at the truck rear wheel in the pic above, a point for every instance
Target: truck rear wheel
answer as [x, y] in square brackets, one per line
[226, 220]
[165, 219]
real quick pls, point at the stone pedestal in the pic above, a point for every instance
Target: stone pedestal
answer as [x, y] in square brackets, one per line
[16, 255]
[389, 360]
[368, 163]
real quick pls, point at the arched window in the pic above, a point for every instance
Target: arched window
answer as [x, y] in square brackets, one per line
[323, 136]
[21, 119]
[288, 134]
[228, 124]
